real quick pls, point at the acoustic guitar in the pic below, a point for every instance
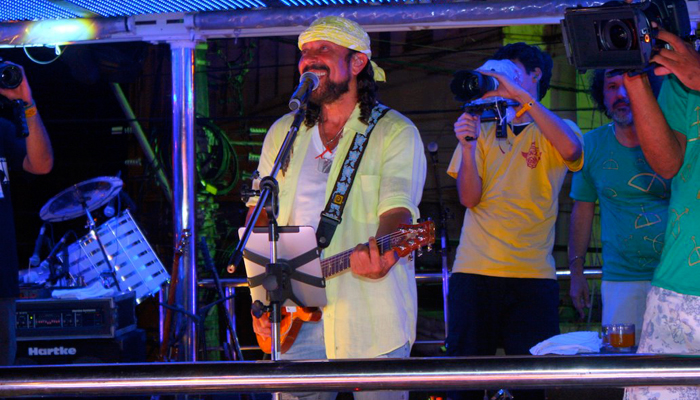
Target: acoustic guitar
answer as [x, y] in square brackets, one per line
[404, 241]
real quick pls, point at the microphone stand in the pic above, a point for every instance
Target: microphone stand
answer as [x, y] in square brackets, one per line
[276, 279]
[444, 250]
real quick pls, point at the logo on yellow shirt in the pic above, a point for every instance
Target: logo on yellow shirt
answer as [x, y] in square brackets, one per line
[533, 156]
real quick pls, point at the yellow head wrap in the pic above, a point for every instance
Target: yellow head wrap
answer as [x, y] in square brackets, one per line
[342, 32]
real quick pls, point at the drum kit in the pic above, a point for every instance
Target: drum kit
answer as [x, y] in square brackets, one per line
[114, 256]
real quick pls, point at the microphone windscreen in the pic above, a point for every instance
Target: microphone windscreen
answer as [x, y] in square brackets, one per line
[310, 75]
[433, 147]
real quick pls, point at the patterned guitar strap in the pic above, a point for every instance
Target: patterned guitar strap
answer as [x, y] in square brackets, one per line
[331, 216]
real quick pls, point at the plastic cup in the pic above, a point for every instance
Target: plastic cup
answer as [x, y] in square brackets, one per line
[621, 336]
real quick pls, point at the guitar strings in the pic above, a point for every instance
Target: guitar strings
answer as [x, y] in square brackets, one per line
[331, 261]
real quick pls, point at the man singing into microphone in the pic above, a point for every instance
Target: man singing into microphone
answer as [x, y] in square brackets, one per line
[371, 309]
[34, 155]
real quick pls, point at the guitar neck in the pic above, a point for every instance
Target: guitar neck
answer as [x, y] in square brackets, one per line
[340, 262]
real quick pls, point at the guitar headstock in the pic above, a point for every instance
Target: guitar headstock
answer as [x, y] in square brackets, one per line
[413, 237]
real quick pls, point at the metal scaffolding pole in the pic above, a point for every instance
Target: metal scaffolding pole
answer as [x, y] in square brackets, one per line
[151, 159]
[182, 53]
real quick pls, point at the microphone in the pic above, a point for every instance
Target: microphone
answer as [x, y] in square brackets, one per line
[109, 210]
[308, 82]
[433, 149]
[34, 260]
[52, 254]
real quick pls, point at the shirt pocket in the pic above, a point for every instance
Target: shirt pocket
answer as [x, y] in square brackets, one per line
[370, 197]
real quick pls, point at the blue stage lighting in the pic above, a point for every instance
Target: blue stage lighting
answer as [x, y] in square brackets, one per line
[135, 7]
[32, 10]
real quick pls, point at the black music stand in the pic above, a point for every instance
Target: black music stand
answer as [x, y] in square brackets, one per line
[298, 255]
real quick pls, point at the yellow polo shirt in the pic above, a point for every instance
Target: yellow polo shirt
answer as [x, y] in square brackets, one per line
[364, 317]
[510, 233]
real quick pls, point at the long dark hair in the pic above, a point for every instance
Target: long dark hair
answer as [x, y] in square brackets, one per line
[366, 92]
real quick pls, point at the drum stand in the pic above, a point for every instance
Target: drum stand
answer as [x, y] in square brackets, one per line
[92, 231]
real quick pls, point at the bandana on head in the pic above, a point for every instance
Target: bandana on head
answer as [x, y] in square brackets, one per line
[342, 32]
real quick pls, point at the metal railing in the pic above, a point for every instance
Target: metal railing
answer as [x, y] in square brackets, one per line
[351, 375]
[591, 273]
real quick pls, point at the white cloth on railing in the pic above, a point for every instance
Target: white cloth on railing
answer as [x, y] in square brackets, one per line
[569, 344]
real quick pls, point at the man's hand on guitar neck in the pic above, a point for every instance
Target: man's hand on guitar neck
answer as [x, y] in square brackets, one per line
[365, 260]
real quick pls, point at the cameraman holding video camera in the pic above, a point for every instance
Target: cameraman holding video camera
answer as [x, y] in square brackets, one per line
[503, 288]
[32, 153]
[669, 139]
[631, 38]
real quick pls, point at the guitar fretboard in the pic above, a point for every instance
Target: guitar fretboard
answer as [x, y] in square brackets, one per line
[340, 262]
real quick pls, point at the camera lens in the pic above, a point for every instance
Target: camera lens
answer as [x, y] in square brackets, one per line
[617, 35]
[470, 85]
[10, 76]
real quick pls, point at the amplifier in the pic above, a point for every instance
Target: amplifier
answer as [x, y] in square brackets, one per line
[127, 347]
[49, 319]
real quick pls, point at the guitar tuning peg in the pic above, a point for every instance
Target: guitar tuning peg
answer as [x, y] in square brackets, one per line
[430, 248]
[410, 257]
[419, 252]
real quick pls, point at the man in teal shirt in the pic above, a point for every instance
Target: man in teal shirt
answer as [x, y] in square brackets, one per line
[633, 206]
[669, 139]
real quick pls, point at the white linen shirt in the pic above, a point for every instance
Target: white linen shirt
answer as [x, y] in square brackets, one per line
[364, 317]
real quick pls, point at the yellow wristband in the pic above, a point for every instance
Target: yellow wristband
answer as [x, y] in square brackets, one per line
[526, 108]
[31, 111]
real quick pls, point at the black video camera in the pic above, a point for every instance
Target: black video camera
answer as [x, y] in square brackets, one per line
[470, 85]
[10, 78]
[618, 35]
[10, 75]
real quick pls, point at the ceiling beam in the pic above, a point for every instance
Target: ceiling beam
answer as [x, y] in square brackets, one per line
[288, 21]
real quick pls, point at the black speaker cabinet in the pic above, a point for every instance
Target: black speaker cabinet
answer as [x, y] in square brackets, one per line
[129, 347]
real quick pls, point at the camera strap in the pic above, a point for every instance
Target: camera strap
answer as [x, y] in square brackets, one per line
[332, 215]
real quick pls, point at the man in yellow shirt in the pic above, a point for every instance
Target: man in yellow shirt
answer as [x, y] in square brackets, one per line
[503, 290]
[371, 309]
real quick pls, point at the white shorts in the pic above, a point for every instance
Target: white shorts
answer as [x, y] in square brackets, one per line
[671, 326]
[624, 303]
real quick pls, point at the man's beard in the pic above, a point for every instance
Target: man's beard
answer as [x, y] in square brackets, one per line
[620, 117]
[330, 91]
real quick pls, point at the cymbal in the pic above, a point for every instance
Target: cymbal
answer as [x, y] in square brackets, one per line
[71, 203]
